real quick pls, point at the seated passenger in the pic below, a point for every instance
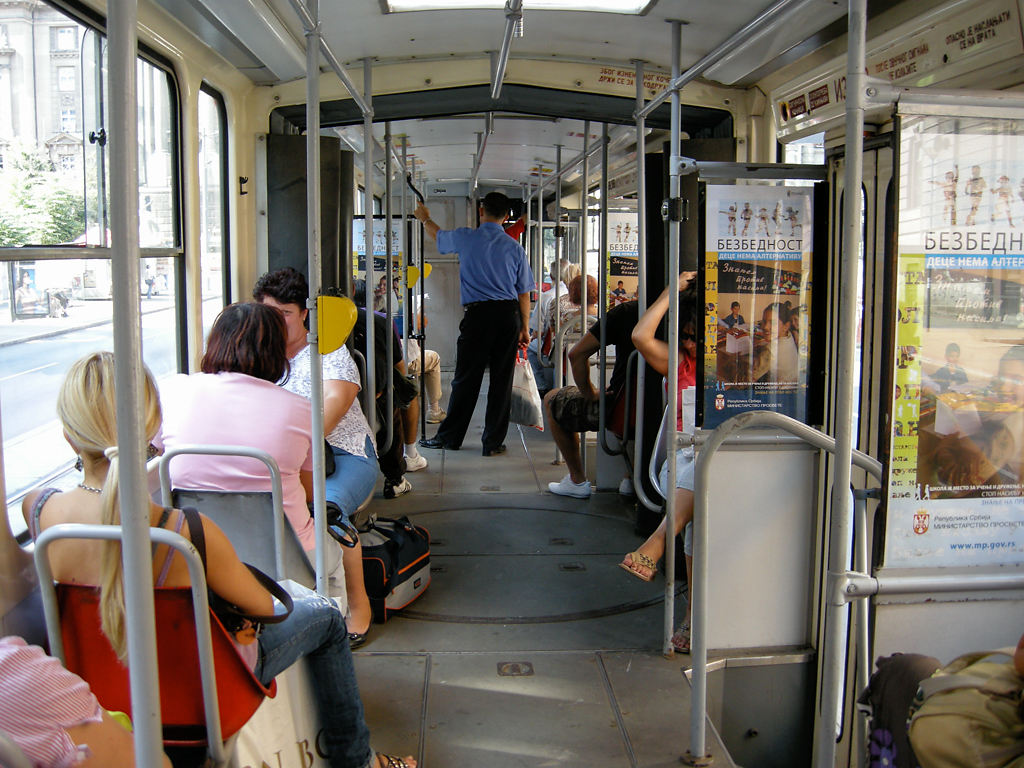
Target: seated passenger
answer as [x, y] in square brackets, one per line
[542, 374]
[348, 434]
[643, 563]
[969, 713]
[53, 717]
[431, 376]
[315, 629]
[392, 461]
[235, 400]
[571, 410]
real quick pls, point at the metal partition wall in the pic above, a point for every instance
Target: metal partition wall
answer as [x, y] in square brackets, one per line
[841, 507]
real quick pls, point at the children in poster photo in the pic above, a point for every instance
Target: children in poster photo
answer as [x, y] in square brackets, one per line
[970, 434]
[1004, 196]
[948, 187]
[975, 189]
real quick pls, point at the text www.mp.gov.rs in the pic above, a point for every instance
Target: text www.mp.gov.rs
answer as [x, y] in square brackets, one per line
[983, 545]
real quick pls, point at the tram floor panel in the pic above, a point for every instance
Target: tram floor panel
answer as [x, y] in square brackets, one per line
[531, 647]
[523, 710]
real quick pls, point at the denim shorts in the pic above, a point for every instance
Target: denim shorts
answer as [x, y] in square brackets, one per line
[353, 480]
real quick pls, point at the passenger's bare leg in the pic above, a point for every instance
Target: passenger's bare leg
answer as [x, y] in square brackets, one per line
[358, 600]
[654, 547]
[568, 443]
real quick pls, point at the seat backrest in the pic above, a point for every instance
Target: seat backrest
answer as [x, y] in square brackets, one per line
[658, 454]
[89, 654]
[247, 519]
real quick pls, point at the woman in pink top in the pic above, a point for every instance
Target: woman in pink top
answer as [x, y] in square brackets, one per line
[643, 563]
[236, 401]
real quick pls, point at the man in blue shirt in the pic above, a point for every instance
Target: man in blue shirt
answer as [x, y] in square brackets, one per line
[495, 284]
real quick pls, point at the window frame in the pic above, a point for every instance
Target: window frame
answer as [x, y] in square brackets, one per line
[78, 14]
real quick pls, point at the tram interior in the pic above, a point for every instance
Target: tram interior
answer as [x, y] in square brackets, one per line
[531, 647]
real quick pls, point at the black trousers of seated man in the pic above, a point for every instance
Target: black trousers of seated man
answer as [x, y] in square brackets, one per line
[488, 337]
[392, 461]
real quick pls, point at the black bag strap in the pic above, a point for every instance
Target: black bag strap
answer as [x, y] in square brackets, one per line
[198, 537]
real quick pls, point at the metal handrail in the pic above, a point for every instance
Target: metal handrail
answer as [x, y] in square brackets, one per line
[698, 590]
[200, 607]
[276, 492]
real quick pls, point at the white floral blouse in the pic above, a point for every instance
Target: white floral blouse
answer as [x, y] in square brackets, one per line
[351, 432]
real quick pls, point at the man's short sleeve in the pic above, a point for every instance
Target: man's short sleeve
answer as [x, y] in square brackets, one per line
[448, 240]
[524, 278]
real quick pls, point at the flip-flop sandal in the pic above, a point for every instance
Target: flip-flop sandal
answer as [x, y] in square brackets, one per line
[390, 761]
[642, 560]
[681, 638]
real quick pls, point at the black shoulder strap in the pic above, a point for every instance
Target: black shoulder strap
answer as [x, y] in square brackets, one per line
[196, 532]
[198, 537]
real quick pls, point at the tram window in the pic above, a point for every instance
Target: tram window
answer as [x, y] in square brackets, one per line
[48, 198]
[213, 257]
[56, 305]
[809, 150]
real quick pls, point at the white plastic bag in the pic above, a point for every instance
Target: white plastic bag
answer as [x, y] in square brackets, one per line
[526, 404]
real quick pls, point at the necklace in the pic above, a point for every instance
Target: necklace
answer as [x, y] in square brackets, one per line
[89, 488]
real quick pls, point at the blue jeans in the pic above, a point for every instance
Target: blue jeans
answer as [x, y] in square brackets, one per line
[545, 377]
[353, 480]
[317, 631]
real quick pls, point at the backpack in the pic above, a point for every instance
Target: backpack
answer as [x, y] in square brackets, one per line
[969, 713]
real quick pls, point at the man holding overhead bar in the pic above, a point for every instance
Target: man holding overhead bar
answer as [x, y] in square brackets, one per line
[495, 284]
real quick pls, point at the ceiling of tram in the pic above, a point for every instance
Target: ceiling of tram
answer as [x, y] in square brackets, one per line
[266, 36]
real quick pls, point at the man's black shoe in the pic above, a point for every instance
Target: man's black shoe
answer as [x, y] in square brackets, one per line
[494, 450]
[437, 442]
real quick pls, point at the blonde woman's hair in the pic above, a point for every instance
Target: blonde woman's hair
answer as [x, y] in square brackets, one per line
[570, 273]
[87, 408]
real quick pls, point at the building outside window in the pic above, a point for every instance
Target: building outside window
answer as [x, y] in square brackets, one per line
[65, 79]
[65, 38]
[68, 120]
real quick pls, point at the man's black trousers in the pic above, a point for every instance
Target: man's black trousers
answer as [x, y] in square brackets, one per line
[488, 337]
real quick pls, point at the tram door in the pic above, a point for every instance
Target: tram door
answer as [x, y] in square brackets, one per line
[872, 382]
[873, 275]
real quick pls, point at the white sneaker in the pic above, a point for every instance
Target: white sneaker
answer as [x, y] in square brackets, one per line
[435, 417]
[566, 487]
[391, 491]
[626, 487]
[415, 463]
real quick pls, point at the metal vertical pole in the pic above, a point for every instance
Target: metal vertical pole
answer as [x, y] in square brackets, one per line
[136, 559]
[316, 382]
[673, 355]
[408, 323]
[641, 290]
[584, 227]
[389, 271]
[557, 279]
[370, 394]
[841, 513]
[602, 292]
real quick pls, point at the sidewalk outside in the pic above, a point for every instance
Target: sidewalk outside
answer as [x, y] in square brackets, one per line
[81, 314]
